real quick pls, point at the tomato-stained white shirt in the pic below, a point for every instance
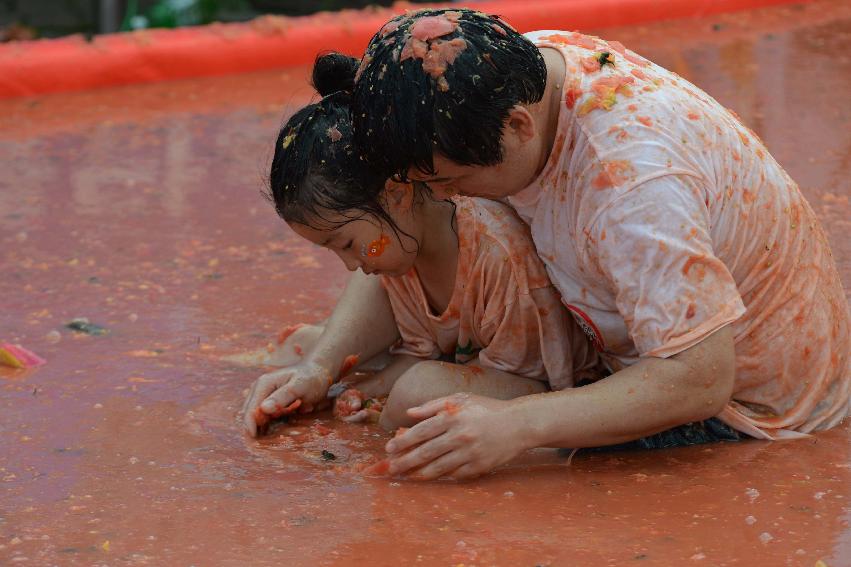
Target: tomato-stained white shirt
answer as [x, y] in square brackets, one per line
[662, 219]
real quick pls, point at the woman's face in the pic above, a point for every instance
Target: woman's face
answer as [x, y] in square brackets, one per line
[367, 242]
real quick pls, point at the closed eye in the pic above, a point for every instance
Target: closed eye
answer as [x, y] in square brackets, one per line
[348, 245]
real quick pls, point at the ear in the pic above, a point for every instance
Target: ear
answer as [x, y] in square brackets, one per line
[399, 196]
[521, 124]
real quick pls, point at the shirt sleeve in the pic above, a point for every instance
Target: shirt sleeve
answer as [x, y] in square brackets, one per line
[654, 246]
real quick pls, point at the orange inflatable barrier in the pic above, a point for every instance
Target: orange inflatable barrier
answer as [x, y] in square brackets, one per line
[268, 42]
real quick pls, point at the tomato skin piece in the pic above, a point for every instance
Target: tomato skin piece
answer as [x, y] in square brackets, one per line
[348, 364]
[322, 430]
[263, 419]
[287, 410]
[287, 331]
[381, 468]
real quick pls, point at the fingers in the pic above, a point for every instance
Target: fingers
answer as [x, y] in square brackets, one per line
[264, 386]
[278, 400]
[279, 411]
[420, 456]
[247, 417]
[261, 420]
[466, 472]
[249, 423]
[247, 403]
[254, 418]
[449, 404]
[420, 433]
[357, 417]
[442, 466]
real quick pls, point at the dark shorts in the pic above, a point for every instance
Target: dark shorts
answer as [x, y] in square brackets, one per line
[696, 433]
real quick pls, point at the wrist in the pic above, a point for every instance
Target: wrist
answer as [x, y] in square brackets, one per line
[529, 431]
[325, 362]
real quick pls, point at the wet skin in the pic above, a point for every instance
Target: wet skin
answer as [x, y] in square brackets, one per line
[153, 191]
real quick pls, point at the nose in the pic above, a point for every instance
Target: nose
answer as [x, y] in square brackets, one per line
[352, 263]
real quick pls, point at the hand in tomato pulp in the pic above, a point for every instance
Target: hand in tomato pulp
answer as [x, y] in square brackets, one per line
[301, 387]
[459, 436]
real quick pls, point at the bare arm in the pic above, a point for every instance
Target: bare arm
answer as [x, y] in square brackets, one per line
[362, 324]
[380, 383]
[651, 396]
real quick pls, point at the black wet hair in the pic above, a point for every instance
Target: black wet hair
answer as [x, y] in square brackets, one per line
[316, 168]
[402, 113]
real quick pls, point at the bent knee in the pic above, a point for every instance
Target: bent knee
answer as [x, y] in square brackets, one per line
[419, 384]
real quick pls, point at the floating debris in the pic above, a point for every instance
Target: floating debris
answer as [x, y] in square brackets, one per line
[17, 356]
[53, 337]
[82, 325]
[328, 455]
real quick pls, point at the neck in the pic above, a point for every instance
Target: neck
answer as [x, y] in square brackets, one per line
[548, 109]
[438, 250]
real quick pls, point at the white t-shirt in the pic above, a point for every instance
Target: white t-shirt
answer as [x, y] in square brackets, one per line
[662, 219]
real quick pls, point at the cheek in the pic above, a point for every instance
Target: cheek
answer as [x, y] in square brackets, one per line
[376, 248]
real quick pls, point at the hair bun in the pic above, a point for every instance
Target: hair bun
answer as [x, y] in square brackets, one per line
[334, 72]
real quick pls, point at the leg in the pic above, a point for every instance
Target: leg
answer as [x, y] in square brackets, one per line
[428, 380]
[380, 383]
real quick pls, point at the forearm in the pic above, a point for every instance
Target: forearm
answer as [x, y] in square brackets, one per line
[362, 324]
[646, 398]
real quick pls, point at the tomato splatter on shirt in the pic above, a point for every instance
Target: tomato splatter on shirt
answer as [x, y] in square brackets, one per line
[606, 91]
[704, 231]
[573, 38]
[571, 94]
[613, 173]
[590, 64]
[503, 310]
[638, 74]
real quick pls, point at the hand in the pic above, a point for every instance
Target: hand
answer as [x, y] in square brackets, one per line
[278, 393]
[459, 436]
